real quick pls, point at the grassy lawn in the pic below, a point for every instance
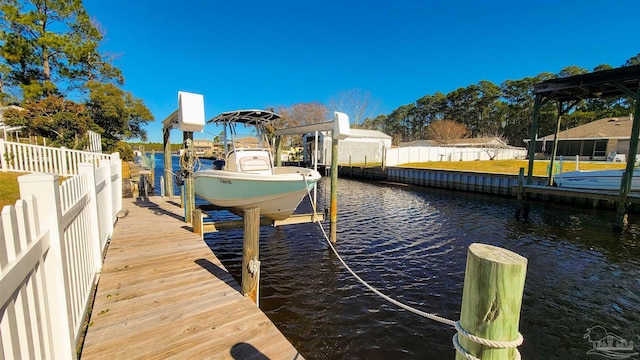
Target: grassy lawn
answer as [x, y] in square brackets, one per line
[512, 166]
[9, 191]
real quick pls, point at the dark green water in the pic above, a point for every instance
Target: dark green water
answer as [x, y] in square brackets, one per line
[411, 244]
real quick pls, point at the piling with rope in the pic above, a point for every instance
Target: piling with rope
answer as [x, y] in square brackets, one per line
[250, 254]
[491, 302]
[189, 196]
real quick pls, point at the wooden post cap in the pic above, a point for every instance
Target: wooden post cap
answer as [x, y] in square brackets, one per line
[496, 254]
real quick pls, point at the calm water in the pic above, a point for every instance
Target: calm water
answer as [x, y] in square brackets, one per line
[411, 243]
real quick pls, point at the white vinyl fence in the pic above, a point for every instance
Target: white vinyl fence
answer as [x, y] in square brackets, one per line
[410, 154]
[95, 142]
[36, 158]
[51, 251]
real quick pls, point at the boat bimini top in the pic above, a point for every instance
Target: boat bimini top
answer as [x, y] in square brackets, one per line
[239, 155]
[247, 117]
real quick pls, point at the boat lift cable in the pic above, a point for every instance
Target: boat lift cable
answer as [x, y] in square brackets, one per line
[189, 163]
[456, 324]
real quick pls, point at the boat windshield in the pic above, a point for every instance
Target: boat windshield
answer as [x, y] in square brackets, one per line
[245, 129]
[244, 136]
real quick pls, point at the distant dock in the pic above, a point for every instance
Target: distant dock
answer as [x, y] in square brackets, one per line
[163, 294]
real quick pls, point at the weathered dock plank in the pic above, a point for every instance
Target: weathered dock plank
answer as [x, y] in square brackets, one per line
[163, 294]
[607, 195]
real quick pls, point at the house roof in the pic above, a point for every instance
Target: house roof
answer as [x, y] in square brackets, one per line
[607, 128]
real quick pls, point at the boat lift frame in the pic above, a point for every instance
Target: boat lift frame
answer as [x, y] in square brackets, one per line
[189, 117]
[567, 93]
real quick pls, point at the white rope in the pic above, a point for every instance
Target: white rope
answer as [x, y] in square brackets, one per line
[184, 163]
[490, 343]
[486, 342]
[456, 324]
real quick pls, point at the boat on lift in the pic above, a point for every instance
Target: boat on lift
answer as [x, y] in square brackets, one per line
[248, 177]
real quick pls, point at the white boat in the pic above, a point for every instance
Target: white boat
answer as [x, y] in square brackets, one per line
[248, 177]
[596, 180]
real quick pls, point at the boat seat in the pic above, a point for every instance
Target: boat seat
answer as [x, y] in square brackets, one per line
[255, 162]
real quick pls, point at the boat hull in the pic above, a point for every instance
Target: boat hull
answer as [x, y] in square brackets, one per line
[276, 195]
[595, 180]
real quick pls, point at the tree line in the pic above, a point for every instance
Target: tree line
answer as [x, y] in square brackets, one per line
[484, 109]
[487, 109]
[53, 69]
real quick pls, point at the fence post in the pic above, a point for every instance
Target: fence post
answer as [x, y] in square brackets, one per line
[96, 236]
[46, 189]
[491, 300]
[109, 189]
[116, 189]
[63, 161]
[384, 158]
[3, 160]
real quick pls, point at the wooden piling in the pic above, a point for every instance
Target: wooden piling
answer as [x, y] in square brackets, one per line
[197, 225]
[168, 167]
[627, 177]
[491, 300]
[333, 210]
[152, 175]
[189, 201]
[250, 254]
[520, 194]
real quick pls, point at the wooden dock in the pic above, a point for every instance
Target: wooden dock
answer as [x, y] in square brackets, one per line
[596, 195]
[163, 294]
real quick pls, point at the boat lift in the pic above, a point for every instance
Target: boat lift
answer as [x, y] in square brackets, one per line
[567, 93]
[189, 118]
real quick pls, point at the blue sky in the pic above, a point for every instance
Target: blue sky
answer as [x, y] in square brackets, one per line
[258, 54]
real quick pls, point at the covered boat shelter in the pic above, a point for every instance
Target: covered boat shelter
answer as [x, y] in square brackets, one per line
[568, 92]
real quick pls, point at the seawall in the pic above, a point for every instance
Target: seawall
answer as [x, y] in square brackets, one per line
[488, 183]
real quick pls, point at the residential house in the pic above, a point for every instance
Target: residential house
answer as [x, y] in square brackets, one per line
[205, 147]
[597, 140]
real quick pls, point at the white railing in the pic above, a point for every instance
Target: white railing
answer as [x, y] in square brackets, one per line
[50, 256]
[36, 158]
[411, 154]
[95, 142]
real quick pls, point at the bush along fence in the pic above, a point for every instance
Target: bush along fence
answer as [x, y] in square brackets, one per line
[51, 255]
